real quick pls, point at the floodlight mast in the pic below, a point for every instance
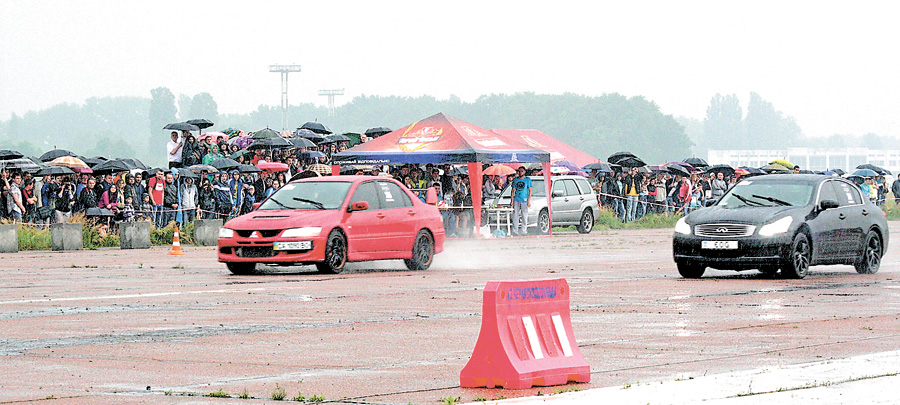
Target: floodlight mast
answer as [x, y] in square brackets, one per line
[331, 94]
[284, 70]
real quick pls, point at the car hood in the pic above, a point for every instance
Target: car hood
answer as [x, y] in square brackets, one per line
[283, 219]
[743, 215]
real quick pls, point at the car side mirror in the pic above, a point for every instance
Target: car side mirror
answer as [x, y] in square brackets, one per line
[256, 205]
[359, 206]
[828, 204]
[558, 193]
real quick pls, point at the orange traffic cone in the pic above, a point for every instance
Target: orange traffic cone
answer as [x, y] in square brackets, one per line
[176, 243]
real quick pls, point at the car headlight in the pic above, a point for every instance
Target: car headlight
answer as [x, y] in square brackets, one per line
[778, 227]
[682, 227]
[226, 233]
[306, 232]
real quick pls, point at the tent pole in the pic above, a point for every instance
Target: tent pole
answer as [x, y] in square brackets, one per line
[335, 170]
[547, 189]
[475, 184]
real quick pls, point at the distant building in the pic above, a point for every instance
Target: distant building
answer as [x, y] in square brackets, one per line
[810, 158]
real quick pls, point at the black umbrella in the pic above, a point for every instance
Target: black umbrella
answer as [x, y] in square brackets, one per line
[112, 166]
[267, 143]
[7, 154]
[240, 153]
[753, 170]
[187, 174]
[316, 127]
[616, 157]
[94, 161]
[724, 169]
[874, 168]
[200, 123]
[225, 164]
[265, 133]
[312, 136]
[302, 143]
[599, 166]
[377, 131]
[349, 169]
[55, 153]
[54, 171]
[337, 138]
[248, 169]
[135, 163]
[182, 126]
[677, 169]
[631, 162]
[696, 162]
[98, 212]
[152, 172]
[839, 172]
[311, 154]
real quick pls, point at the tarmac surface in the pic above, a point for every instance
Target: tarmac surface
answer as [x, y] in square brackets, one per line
[114, 326]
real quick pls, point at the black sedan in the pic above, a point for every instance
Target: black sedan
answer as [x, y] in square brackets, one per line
[783, 221]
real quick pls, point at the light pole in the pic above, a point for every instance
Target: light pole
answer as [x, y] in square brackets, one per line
[284, 70]
[331, 94]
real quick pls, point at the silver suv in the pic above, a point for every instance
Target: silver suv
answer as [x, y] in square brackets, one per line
[574, 203]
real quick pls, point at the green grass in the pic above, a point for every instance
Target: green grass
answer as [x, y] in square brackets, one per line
[278, 394]
[163, 236]
[607, 220]
[218, 394]
[31, 238]
[892, 209]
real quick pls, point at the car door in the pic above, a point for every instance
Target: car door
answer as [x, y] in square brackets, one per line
[588, 199]
[825, 226]
[559, 207]
[363, 227]
[399, 218]
[852, 218]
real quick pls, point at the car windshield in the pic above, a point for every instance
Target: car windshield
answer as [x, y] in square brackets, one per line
[310, 195]
[537, 189]
[750, 193]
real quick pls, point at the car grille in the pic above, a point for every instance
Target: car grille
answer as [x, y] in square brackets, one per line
[724, 230]
[254, 251]
[264, 233]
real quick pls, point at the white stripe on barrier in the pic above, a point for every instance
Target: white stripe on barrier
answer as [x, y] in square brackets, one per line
[563, 337]
[532, 337]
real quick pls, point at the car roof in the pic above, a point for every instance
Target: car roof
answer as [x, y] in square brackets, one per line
[343, 178]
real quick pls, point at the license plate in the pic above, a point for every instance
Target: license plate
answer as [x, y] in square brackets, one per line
[719, 244]
[301, 245]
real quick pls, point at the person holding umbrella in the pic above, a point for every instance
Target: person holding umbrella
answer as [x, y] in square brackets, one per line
[173, 150]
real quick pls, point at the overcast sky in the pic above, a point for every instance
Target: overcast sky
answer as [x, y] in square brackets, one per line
[834, 66]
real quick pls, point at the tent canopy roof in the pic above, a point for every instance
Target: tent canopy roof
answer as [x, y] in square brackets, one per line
[558, 150]
[440, 139]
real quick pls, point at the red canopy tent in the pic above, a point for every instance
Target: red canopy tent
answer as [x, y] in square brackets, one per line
[442, 139]
[558, 150]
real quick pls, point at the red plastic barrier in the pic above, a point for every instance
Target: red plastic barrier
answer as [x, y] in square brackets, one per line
[526, 338]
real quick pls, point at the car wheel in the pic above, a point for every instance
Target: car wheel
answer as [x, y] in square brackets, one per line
[691, 270]
[422, 252]
[797, 264]
[587, 221]
[543, 222]
[870, 260]
[335, 254]
[241, 269]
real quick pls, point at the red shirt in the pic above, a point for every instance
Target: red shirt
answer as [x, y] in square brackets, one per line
[156, 186]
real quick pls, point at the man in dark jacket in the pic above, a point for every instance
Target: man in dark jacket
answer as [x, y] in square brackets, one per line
[88, 197]
[170, 199]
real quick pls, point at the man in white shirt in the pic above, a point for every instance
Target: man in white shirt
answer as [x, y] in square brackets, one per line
[173, 150]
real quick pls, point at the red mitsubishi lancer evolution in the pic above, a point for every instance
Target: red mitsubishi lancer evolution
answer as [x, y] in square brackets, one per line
[329, 221]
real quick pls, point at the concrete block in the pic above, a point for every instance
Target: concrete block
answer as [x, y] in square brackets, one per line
[9, 238]
[134, 235]
[66, 236]
[206, 231]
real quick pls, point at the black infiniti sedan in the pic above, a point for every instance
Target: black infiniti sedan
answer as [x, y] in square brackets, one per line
[783, 221]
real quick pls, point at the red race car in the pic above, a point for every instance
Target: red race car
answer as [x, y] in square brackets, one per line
[329, 221]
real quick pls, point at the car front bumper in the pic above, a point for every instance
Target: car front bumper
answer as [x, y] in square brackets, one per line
[260, 250]
[752, 252]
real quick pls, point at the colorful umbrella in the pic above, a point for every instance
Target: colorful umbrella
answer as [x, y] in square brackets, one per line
[271, 167]
[69, 161]
[323, 170]
[499, 170]
[214, 135]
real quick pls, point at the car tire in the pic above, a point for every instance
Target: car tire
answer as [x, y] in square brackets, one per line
[796, 265]
[586, 224]
[241, 269]
[870, 259]
[543, 222]
[422, 252]
[335, 253]
[690, 269]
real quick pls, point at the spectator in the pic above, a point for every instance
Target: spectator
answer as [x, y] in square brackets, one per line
[223, 196]
[521, 201]
[718, 186]
[109, 199]
[632, 183]
[213, 155]
[88, 197]
[173, 150]
[207, 199]
[236, 193]
[189, 200]
[14, 202]
[147, 209]
[50, 194]
[128, 210]
[190, 152]
[895, 189]
[170, 199]
[65, 202]
[156, 187]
